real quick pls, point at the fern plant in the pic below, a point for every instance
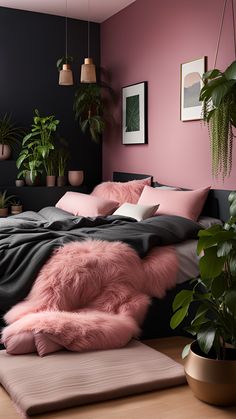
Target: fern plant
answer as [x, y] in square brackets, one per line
[219, 111]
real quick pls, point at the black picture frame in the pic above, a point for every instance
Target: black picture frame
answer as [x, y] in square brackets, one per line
[134, 114]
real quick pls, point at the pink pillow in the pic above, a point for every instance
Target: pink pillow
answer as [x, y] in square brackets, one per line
[186, 204]
[86, 205]
[122, 191]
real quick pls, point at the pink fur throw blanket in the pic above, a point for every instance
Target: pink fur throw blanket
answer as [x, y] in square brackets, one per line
[89, 295]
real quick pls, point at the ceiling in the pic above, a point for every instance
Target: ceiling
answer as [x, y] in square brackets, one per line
[99, 10]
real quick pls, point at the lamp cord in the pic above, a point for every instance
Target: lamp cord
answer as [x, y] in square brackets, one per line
[88, 32]
[221, 27]
[66, 32]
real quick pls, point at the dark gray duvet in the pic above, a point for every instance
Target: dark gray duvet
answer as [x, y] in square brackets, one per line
[27, 240]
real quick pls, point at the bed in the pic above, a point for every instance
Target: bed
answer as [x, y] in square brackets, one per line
[63, 230]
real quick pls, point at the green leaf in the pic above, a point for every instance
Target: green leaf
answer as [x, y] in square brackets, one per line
[178, 316]
[183, 298]
[206, 339]
[230, 301]
[219, 284]
[186, 350]
[232, 264]
[211, 74]
[221, 91]
[210, 264]
[224, 248]
[230, 72]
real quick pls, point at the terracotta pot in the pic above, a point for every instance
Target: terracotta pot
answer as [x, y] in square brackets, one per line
[75, 177]
[212, 380]
[16, 209]
[20, 182]
[61, 180]
[50, 180]
[3, 212]
[29, 182]
[5, 152]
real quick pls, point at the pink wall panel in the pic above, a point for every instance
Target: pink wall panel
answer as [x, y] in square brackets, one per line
[148, 41]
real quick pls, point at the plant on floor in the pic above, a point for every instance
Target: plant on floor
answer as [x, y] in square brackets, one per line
[219, 111]
[88, 107]
[214, 324]
[10, 133]
[37, 145]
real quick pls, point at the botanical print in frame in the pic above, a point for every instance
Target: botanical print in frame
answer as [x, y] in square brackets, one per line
[191, 84]
[134, 114]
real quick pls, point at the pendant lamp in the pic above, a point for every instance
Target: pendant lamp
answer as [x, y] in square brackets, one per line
[66, 75]
[88, 70]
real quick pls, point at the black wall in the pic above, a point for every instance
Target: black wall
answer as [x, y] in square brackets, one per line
[30, 44]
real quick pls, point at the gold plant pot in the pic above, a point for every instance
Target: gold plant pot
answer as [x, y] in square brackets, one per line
[211, 380]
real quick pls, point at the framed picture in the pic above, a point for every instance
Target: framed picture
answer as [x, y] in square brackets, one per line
[191, 84]
[134, 114]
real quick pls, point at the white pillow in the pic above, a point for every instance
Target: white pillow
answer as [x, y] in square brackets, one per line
[136, 211]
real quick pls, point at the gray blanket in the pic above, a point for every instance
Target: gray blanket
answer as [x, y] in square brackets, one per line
[28, 239]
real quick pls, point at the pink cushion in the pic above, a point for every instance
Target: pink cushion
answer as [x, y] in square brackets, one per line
[86, 205]
[122, 191]
[186, 204]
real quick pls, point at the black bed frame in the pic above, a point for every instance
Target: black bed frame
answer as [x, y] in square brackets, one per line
[157, 321]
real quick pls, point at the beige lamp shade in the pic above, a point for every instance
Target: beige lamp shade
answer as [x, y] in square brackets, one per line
[88, 71]
[66, 76]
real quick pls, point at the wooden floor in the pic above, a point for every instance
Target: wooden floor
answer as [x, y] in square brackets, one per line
[176, 403]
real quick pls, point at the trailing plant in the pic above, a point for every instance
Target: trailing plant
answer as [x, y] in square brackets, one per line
[5, 200]
[88, 107]
[214, 323]
[10, 134]
[37, 145]
[219, 111]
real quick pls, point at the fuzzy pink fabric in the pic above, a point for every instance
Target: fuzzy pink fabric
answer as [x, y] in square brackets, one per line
[121, 191]
[89, 295]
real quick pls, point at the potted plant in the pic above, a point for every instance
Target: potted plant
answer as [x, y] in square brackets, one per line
[62, 157]
[49, 165]
[219, 111]
[211, 361]
[4, 203]
[88, 107]
[16, 206]
[10, 135]
[36, 146]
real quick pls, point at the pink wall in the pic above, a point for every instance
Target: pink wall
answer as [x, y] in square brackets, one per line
[148, 41]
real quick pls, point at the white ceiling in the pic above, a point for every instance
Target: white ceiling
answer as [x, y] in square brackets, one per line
[99, 10]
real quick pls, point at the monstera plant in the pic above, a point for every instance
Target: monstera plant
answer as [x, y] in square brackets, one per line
[219, 111]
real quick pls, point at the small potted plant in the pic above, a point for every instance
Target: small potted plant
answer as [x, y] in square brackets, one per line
[211, 360]
[36, 147]
[62, 157]
[16, 206]
[5, 201]
[49, 165]
[10, 135]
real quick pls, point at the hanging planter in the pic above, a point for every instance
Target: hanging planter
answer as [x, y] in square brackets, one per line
[219, 111]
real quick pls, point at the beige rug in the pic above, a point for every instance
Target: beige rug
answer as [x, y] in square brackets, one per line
[66, 379]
